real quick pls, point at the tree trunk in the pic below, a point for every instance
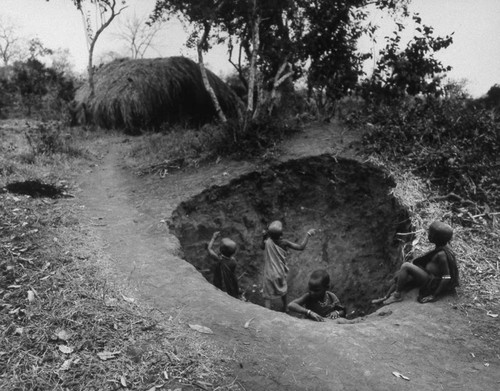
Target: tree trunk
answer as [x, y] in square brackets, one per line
[204, 75]
[278, 80]
[91, 40]
[253, 65]
[90, 70]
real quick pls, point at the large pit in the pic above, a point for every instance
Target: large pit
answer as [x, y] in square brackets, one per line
[349, 203]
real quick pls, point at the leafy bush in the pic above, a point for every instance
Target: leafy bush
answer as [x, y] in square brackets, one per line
[48, 138]
[450, 142]
[254, 138]
[188, 147]
[35, 89]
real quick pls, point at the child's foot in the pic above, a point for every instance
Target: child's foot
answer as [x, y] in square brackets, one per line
[379, 300]
[393, 298]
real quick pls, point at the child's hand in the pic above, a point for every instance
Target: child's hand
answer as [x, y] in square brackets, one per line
[216, 235]
[427, 299]
[314, 316]
[311, 232]
[334, 315]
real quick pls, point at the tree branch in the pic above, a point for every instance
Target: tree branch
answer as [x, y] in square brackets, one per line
[201, 44]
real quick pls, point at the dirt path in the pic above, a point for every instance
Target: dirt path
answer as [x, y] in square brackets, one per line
[430, 344]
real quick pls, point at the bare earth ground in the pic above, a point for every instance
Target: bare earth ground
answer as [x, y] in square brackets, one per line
[436, 346]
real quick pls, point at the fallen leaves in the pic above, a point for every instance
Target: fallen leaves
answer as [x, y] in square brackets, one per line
[105, 355]
[66, 365]
[247, 324]
[66, 349]
[31, 296]
[128, 299]
[201, 329]
[63, 335]
[400, 376]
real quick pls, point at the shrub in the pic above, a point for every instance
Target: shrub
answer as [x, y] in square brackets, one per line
[48, 138]
[450, 142]
[180, 146]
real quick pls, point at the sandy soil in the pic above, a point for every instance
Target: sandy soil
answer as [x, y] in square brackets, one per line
[435, 346]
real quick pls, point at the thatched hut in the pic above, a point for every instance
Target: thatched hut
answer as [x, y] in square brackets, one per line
[144, 93]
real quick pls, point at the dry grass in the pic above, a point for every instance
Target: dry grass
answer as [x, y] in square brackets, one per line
[476, 239]
[59, 315]
[42, 150]
[144, 93]
[161, 153]
[64, 326]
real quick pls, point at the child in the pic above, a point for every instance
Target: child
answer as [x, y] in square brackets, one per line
[225, 268]
[275, 267]
[435, 272]
[318, 304]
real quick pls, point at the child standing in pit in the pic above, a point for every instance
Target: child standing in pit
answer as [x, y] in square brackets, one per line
[225, 268]
[318, 303]
[275, 265]
[435, 272]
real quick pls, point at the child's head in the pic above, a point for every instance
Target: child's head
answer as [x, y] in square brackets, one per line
[227, 247]
[440, 233]
[319, 282]
[275, 229]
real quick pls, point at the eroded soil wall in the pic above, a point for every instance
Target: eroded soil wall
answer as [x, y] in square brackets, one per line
[349, 203]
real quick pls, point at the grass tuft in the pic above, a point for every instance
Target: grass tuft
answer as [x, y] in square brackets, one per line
[159, 153]
[63, 324]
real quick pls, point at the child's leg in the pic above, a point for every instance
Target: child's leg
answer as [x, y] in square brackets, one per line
[408, 273]
[392, 288]
[389, 292]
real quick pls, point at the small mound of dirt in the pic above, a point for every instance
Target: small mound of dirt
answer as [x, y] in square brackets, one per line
[349, 203]
[35, 189]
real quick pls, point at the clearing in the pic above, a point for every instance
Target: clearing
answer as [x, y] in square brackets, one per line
[433, 346]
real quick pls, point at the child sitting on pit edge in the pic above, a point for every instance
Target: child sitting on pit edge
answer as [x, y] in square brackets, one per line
[225, 269]
[435, 273]
[318, 303]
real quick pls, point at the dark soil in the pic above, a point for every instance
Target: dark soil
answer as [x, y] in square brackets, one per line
[349, 204]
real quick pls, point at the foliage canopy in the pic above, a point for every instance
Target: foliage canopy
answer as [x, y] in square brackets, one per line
[286, 37]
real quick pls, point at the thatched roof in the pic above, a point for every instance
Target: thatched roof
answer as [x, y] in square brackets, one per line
[144, 93]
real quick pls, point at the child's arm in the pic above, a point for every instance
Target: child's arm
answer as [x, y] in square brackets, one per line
[339, 308]
[297, 305]
[265, 235]
[210, 249]
[302, 245]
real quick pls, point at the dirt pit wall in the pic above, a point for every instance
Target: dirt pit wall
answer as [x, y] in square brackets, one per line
[348, 203]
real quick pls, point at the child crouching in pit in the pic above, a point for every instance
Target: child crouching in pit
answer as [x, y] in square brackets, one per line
[318, 303]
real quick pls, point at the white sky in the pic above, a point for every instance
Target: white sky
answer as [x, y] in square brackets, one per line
[474, 55]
